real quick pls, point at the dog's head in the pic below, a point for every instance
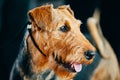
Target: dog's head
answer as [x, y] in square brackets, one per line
[57, 32]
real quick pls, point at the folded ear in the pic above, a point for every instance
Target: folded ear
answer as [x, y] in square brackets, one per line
[41, 16]
[67, 7]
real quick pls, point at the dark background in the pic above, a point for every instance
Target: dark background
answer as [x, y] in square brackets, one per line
[13, 16]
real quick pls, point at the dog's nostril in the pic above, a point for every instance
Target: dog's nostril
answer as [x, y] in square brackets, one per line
[89, 54]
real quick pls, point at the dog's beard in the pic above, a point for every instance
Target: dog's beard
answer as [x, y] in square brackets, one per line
[69, 66]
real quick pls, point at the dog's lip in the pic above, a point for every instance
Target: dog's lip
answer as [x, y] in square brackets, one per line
[72, 66]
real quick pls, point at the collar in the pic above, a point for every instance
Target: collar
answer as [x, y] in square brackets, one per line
[29, 28]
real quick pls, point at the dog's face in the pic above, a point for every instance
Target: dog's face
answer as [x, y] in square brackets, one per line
[58, 34]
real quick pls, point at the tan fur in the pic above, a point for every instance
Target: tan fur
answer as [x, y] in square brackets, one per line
[70, 46]
[108, 68]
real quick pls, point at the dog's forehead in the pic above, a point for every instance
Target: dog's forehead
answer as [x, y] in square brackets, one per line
[61, 16]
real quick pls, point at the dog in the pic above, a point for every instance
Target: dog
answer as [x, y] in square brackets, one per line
[52, 44]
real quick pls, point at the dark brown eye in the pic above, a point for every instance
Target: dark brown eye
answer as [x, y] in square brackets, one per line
[64, 29]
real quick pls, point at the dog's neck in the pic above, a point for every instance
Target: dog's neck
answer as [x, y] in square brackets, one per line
[29, 27]
[32, 61]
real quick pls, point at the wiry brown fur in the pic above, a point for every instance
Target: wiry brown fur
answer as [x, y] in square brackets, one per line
[68, 46]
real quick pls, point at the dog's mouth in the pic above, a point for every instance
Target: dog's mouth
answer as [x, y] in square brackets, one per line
[70, 66]
[73, 67]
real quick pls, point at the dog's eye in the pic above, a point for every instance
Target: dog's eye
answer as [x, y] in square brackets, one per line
[64, 28]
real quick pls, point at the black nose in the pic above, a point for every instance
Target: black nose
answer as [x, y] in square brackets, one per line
[89, 54]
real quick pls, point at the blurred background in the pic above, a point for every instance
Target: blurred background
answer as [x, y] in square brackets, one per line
[13, 16]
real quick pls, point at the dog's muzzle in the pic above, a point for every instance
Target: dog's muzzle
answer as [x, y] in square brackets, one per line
[74, 66]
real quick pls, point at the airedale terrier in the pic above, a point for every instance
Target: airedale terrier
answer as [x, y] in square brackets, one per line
[54, 43]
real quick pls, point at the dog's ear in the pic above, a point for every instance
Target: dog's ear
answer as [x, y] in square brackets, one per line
[67, 7]
[41, 16]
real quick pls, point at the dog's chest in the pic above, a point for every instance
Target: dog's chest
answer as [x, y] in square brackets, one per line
[47, 75]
